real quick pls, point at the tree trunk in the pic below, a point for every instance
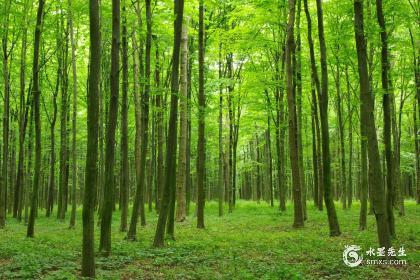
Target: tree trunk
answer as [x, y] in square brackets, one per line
[181, 174]
[160, 136]
[91, 172]
[220, 162]
[298, 57]
[169, 186]
[124, 172]
[323, 100]
[141, 180]
[386, 103]
[63, 179]
[37, 118]
[368, 121]
[341, 134]
[24, 108]
[109, 186]
[74, 117]
[293, 125]
[6, 118]
[51, 184]
[316, 82]
[350, 114]
[201, 145]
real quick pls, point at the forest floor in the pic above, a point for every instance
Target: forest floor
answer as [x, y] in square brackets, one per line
[253, 242]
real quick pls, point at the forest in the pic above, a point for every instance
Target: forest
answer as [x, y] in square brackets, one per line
[210, 139]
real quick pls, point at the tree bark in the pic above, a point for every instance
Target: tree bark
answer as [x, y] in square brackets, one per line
[201, 145]
[169, 186]
[37, 119]
[141, 178]
[124, 172]
[109, 186]
[6, 118]
[91, 172]
[293, 125]
[220, 162]
[24, 108]
[74, 118]
[182, 164]
[323, 100]
[386, 103]
[51, 183]
[317, 90]
[368, 121]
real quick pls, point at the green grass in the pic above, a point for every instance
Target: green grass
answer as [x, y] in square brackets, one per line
[253, 242]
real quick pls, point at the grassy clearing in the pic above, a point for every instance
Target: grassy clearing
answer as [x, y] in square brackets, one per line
[254, 242]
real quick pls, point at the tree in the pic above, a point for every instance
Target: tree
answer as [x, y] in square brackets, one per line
[323, 101]
[182, 156]
[74, 117]
[124, 171]
[368, 120]
[172, 132]
[24, 107]
[51, 183]
[36, 91]
[386, 103]
[316, 88]
[64, 155]
[293, 126]
[91, 172]
[201, 145]
[220, 137]
[141, 179]
[6, 117]
[109, 187]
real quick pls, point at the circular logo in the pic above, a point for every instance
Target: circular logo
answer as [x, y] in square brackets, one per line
[351, 256]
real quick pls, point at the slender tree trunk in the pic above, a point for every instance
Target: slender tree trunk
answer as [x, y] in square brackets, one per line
[350, 116]
[416, 65]
[258, 159]
[188, 187]
[138, 91]
[109, 186]
[169, 186]
[63, 176]
[220, 162]
[74, 117]
[6, 79]
[269, 163]
[293, 125]
[141, 180]
[317, 85]
[341, 134]
[124, 172]
[51, 184]
[182, 164]
[386, 103]
[160, 137]
[91, 172]
[201, 145]
[368, 121]
[24, 108]
[323, 100]
[298, 57]
[37, 118]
